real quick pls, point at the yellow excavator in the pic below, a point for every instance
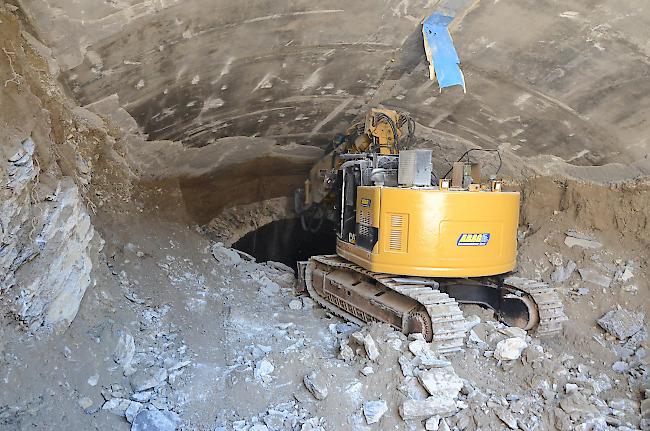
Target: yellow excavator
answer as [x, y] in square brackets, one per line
[410, 245]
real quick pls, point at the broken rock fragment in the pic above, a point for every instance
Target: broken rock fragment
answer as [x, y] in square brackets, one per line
[125, 348]
[622, 323]
[315, 384]
[510, 349]
[132, 411]
[263, 369]
[423, 409]
[295, 304]
[154, 420]
[346, 353]
[595, 277]
[143, 380]
[225, 255]
[374, 410]
[441, 382]
[574, 238]
[507, 418]
[117, 406]
[563, 273]
[371, 347]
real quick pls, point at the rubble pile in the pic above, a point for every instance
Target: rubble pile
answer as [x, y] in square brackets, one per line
[504, 379]
[558, 390]
[156, 364]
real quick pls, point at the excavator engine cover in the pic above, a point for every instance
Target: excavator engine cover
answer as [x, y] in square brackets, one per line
[433, 232]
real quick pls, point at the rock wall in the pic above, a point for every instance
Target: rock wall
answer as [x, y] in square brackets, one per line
[46, 244]
[49, 150]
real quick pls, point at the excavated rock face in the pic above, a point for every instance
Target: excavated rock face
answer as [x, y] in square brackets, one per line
[46, 246]
[47, 241]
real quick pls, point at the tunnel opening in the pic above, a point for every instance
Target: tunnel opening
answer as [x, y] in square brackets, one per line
[287, 242]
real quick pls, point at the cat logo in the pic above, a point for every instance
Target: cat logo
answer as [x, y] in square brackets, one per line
[473, 239]
[365, 202]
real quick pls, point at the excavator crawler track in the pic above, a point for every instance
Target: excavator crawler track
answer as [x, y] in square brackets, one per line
[445, 326]
[416, 304]
[549, 305]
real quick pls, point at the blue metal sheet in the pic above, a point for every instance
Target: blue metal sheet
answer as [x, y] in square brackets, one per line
[441, 52]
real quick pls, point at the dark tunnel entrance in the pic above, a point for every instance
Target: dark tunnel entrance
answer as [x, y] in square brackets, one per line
[285, 241]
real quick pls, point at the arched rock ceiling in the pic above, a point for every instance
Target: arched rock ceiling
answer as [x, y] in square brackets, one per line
[563, 78]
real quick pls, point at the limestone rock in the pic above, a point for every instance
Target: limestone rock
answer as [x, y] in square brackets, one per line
[622, 323]
[307, 303]
[635, 341]
[47, 246]
[374, 410]
[509, 349]
[441, 382]
[346, 353]
[423, 409]
[574, 238]
[406, 365]
[295, 304]
[154, 420]
[420, 347]
[117, 406]
[315, 384]
[85, 403]
[125, 348]
[563, 273]
[132, 411]
[268, 286]
[225, 255]
[507, 418]
[595, 277]
[371, 347]
[143, 380]
[395, 344]
[263, 369]
[513, 331]
[626, 274]
[576, 405]
[432, 424]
